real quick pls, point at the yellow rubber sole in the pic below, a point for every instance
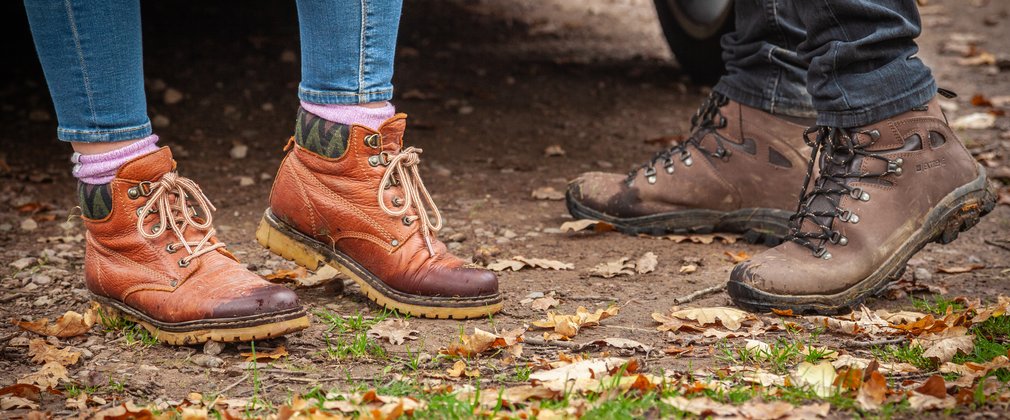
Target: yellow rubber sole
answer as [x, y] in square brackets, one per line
[224, 335]
[302, 254]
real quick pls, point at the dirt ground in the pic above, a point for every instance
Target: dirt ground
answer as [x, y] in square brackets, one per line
[488, 86]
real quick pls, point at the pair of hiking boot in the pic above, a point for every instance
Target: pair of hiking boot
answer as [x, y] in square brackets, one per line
[345, 196]
[847, 208]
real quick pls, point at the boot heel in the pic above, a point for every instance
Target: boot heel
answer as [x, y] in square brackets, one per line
[287, 247]
[967, 215]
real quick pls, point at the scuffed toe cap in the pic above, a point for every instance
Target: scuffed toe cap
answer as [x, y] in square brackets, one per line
[269, 299]
[459, 282]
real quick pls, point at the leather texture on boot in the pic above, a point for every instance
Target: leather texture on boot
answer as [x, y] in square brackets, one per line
[884, 191]
[154, 273]
[335, 202]
[738, 158]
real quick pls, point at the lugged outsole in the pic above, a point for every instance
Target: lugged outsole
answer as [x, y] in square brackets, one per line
[762, 226]
[964, 212]
[286, 245]
[200, 335]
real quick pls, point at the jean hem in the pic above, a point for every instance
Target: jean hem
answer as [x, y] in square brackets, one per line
[105, 135]
[754, 100]
[344, 98]
[882, 111]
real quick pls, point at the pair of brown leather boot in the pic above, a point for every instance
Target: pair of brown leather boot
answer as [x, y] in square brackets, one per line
[869, 198]
[346, 196]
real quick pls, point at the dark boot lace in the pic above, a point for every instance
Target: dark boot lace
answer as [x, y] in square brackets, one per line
[841, 154]
[168, 198]
[708, 118]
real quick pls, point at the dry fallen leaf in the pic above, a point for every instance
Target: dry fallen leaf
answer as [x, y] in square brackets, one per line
[459, 369]
[544, 303]
[547, 193]
[567, 326]
[43, 353]
[14, 403]
[731, 318]
[873, 391]
[554, 150]
[820, 377]
[286, 275]
[480, 341]
[70, 324]
[502, 265]
[687, 269]
[976, 121]
[260, 356]
[49, 376]
[960, 269]
[942, 347]
[738, 257]
[395, 330]
[519, 262]
[646, 263]
[583, 224]
[703, 239]
[585, 369]
[611, 269]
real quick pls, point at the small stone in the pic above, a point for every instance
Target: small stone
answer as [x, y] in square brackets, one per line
[42, 301]
[441, 170]
[922, 274]
[239, 151]
[457, 237]
[18, 342]
[6, 227]
[246, 181]
[39, 115]
[465, 110]
[288, 56]
[267, 106]
[213, 348]
[41, 279]
[604, 164]
[22, 263]
[552, 230]
[29, 224]
[207, 361]
[161, 121]
[508, 233]
[172, 96]
[454, 246]
[158, 85]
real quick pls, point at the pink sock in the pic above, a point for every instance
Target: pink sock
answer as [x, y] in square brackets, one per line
[352, 114]
[100, 168]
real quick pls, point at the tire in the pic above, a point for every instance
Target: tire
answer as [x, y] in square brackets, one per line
[692, 29]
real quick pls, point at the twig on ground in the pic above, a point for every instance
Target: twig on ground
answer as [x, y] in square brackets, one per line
[588, 298]
[697, 294]
[11, 297]
[1001, 244]
[872, 343]
[537, 341]
[621, 327]
[229, 387]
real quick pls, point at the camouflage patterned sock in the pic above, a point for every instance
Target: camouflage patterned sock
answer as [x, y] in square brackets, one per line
[320, 136]
[96, 200]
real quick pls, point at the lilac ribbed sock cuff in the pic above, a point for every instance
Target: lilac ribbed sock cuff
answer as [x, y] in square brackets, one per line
[101, 168]
[352, 114]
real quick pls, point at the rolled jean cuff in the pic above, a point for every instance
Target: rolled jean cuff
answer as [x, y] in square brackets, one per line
[880, 111]
[343, 98]
[105, 135]
[801, 109]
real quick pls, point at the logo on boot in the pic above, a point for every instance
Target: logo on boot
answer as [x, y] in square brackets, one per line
[931, 164]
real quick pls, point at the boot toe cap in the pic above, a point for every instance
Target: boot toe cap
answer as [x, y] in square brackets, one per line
[265, 300]
[460, 282]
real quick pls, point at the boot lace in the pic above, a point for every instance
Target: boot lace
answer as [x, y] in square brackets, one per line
[840, 154]
[707, 118]
[168, 198]
[401, 168]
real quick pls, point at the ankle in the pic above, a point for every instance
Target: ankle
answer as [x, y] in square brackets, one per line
[98, 163]
[370, 115]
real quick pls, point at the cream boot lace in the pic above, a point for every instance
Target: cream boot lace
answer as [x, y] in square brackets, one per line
[170, 214]
[404, 166]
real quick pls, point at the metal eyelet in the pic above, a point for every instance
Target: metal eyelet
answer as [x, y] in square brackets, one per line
[822, 253]
[156, 228]
[650, 175]
[397, 201]
[170, 249]
[373, 140]
[874, 134]
[394, 242]
[859, 194]
[407, 221]
[138, 211]
[133, 193]
[183, 263]
[374, 160]
[894, 166]
[848, 216]
[668, 165]
[838, 238]
[686, 158]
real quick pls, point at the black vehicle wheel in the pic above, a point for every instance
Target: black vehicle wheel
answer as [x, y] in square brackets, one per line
[693, 29]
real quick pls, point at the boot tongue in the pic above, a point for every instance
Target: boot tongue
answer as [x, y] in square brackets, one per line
[148, 167]
[824, 202]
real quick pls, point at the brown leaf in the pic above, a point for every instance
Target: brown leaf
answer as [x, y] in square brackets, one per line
[260, 356]
[613, 269]
[29, 391]
[646, 263]
[873, 391]
[677, 351]
[960, 269]
[43, 353]
[49, 376]
[980, 100]
[942, 347]
[544, 303]
[481, 341]
[523, 262]
[738, 257]
[731, 318]
[547, 193]
[395, 330]
[934, 387]
[583, 224]
[282, 275]
[567, 326]
[687, 269]
[14, 403]
[459, 369]
[70, 324]
[554, 150]
[784, 312]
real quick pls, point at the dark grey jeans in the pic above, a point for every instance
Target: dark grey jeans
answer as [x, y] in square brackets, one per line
[847, 62]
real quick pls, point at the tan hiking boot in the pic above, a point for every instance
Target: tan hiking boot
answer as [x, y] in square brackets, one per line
[738, 172]
[884, 192]
[155, 259]
[352, 197]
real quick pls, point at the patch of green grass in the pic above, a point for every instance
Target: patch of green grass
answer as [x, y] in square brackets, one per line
[523, 373]
[778, 357]
[997, 327]
[633, 407]
[937, 305]
[352, 323]
[74, 390]
[133, 333]
[905, 353]
[984, 351]
[116, 387]
[355, 346]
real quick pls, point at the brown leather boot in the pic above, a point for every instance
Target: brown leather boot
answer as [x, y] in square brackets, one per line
[738, 172]
[155, 259]
[884, 192]
[355, 201]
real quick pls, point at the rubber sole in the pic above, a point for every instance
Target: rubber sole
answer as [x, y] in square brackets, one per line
[959, 211]
[259, 327]
[285, 241]
[756, 225]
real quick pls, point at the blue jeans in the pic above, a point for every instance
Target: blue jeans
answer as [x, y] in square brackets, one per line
[849, 62]
[92, 58]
